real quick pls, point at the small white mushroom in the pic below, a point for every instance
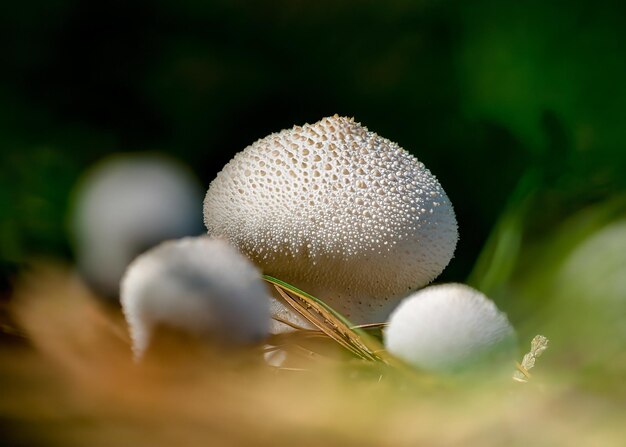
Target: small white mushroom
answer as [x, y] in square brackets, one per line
[337, 211]
[125, 205]
[199, 285]
[449, 327]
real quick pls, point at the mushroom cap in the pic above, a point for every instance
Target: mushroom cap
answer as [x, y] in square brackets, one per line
[337, 211]
[199, 285]
[126, 204]
[448, 327]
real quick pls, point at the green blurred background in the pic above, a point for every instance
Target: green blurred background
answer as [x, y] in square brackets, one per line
[517, 107]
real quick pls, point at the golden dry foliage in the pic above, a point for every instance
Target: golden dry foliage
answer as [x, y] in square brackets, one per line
[332, 324]
[74, 383]
[537, 347]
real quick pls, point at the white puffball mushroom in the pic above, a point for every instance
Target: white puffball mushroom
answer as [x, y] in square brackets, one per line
[337, 211]
[202, 286]
[449, 327]
[126, 204]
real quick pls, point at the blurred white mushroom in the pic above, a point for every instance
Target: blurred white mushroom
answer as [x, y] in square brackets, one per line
[125, 205]
[596, 269]
[450, 327]
[337, 211]
[199, 285]
[589, 294]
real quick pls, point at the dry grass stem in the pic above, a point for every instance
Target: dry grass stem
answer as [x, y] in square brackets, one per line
[74, 384]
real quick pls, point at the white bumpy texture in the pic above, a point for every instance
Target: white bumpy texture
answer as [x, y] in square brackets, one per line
[449, 327]
[337, 211]
[198, 285]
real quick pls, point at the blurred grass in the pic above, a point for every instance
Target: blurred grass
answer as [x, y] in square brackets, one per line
[75, 383]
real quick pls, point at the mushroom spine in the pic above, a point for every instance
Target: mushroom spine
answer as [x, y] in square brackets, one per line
[338, 211]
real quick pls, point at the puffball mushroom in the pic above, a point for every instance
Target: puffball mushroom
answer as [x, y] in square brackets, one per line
[337, 211]
[449, 327]
[125, 205]
[199, 285]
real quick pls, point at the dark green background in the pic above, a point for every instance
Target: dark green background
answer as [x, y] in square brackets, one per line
[484, 93]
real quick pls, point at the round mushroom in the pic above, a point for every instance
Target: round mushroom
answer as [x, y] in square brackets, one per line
[337, 211]
[125, 205]
[202, 286]
[449, 327]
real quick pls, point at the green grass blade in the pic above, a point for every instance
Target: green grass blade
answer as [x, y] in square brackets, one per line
[332, 323]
